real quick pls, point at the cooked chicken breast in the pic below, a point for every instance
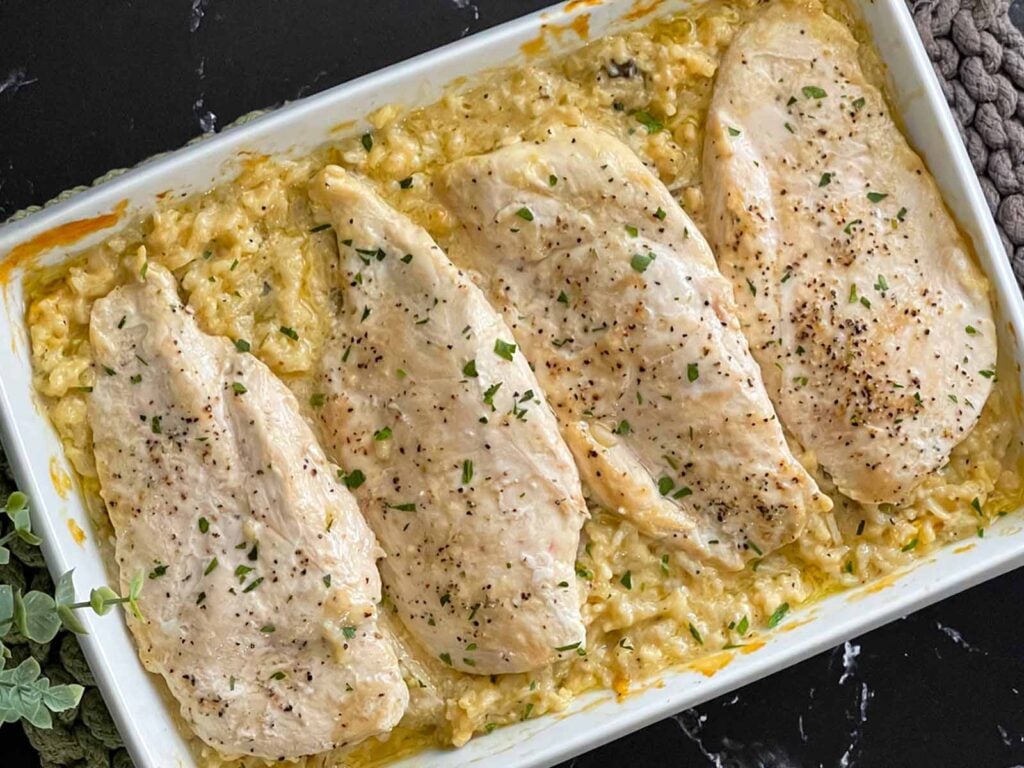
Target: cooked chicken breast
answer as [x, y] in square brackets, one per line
[862, 304]
[615, 298]
[261, 586]
[450, 446]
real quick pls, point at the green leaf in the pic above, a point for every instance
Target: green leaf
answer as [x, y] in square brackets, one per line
[778, 615]
[101, 600]
[64, 594]
[70, 621]
[16, 501]
[6, 609]
[41, 620]
[134, 590]
[60, 698]
[23, 527]
[18, 614]
[5, 555]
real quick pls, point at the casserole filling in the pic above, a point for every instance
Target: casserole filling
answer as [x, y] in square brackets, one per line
[255, 262]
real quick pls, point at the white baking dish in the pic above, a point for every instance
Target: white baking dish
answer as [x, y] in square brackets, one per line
[138, 707]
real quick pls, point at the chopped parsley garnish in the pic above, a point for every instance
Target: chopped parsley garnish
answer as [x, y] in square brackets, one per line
[407, 258]
[317, 400]
[626, 580]
[109, 371]
[525, 214]
[976, 505]
[504, 349]
[881, 285]
[734, 131]
[204, 525]
[665, 485]
[467, 472]
[632, 231]
[407, 507]
[327, 580]
[268, 629]
[826, 179]
[901, 214]
[877, 197]
[490, 393]
[696, 634]
[406, 182]
[242, 345]
[971, 330]
[563, 298]
[858, 103]
[778, 615]
[158, 571]
[912, 544]
[154, 424]
[752, 287]
[640, 262]
[664, 564]
[144, 270]
[988, 373]
[446, 658]
[789, 128]
[384, 433]
[469, 369]
[278, 675]
[253, 584]
[353, 479]
[289, 332]
[648, 121]
[367, 141]
[319, 227]
[210, 568]
[682, 493]
[622, 428]
[848, 229]
[552, 180]
[348, 632]
[660, 214]
[743, 626]
[239, 388]
[813, 92]
[692, 372]
[564, 648]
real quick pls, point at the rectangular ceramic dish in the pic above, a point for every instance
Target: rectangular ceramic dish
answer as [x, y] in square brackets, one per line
[137, 705]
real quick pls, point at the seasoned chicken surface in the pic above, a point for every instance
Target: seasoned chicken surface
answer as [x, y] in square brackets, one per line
[450, 446]
[615, 298]
[870, 321]
[261, 585]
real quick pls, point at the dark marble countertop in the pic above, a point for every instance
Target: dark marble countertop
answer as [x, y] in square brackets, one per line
[97, 84]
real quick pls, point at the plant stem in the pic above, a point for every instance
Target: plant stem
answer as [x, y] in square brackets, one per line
[87, 604]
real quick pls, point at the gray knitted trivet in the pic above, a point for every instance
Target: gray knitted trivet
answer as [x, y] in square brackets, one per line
[979, 57]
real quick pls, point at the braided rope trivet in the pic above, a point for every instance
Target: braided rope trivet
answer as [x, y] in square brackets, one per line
[979, 57]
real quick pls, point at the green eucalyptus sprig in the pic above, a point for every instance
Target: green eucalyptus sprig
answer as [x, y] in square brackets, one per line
[24, 692]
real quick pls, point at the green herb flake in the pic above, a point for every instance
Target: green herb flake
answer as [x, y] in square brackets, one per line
[632, 231]
[976, 504]
[467, 472]
[469, 369]
[778, 615]
[525, 214]
[204, 525]
[156, 426]
[158, 571]
[743, 626]
[813, 92]
[622, 428]
[971, 330]
[648, 121]
[348, 632]
[384, 433]
[239, 388]
[877, 197]
[692, 372]
[858, 103]
[242, 345]
[253, 585]
[910, 545]
[665, 485]
[317, 400]
[664, 564]
[734, 131]
[289, 332]
[627, 580]
[504, 349]
[848, 229]
[319, 228]
[367, 141]
[446, 658]
[640, 262]
[696, 634]
[826, 179]
[406, 182]
[552, 180]
[752, 287]
[354, 479]
[563, 298]
[660, 214]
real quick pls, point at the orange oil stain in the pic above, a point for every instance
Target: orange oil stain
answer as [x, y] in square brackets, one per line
[641, 9]
[580, 26]
[749, 648]
[60, 479]
[712, 663]
[76, 532]
[621, 686]
[572, 5]
[793, 625]
[66, 234]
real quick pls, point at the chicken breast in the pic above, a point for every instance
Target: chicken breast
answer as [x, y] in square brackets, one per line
[862, 304]
[450, 446]
[615, 298]
[260, 598]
